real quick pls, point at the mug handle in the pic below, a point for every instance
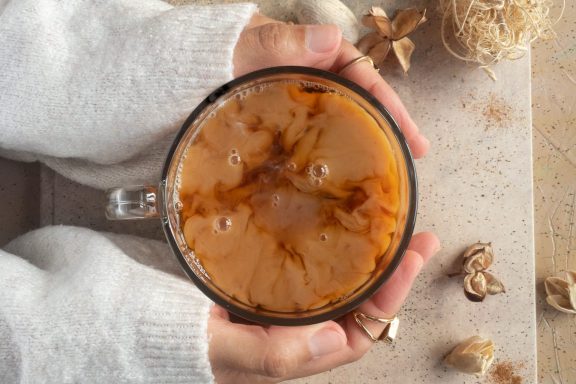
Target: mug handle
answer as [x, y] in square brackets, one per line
[132, 203]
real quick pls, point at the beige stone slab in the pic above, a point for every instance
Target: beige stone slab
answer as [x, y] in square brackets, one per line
[474, 185]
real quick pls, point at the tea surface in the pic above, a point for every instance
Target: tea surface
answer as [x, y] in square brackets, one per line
[290, 197]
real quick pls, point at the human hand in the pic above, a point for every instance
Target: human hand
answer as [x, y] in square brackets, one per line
[267, 43]
[241, 353]
[247, 354]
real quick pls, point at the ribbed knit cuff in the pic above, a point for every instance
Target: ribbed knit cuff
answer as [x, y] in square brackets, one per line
[104, 81]
[198, 55]
[88, 308]
[171, 334]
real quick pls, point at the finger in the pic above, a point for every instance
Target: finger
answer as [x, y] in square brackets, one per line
[426, 244]
[273, 44]
[387, 301]
[259, 19]
[274, 352]
[219, 312]
[364, 75]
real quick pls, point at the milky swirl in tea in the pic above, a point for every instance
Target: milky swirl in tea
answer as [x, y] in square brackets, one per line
[290, 197]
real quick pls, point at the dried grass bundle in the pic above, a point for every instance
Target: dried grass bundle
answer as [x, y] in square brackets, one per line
[487, 31]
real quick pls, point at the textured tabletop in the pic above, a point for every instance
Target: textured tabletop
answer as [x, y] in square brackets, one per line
[554, 135]
[474, 185]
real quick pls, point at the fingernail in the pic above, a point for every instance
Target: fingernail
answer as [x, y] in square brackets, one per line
[419, 145]
[425, 142]
[325, 342]
[322, 38]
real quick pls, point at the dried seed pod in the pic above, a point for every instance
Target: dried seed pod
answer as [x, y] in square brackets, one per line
[478, 257]
[475, 286]
[390, 35]
[561, 293]
[556, 286]
[477, 282]
[493, 285]
[571, 277]
[473, 356]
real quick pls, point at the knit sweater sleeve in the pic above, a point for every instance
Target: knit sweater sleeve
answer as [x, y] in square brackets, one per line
[75, 307]
[97, 83]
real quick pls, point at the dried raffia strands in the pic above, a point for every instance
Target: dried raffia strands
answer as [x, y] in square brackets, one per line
[487, 31]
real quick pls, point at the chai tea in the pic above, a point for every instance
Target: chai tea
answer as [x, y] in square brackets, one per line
[290, 196]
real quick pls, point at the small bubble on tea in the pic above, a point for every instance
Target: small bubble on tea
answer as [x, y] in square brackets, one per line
[234, 159]
[222, 224]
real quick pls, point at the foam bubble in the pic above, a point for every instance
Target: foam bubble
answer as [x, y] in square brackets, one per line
[234, 157]
[222, 224]
[317, 173]
[275, 200]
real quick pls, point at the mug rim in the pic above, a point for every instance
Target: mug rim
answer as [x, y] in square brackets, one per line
[410, 215]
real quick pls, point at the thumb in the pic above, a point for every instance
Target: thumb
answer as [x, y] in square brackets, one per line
[273, 352]
[275, 44]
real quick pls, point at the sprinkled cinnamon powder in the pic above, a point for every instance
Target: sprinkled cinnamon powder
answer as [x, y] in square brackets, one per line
[496, 111]
[493, 110]
[505, 373]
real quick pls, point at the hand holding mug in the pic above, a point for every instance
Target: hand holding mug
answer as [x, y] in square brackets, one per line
[242, 353]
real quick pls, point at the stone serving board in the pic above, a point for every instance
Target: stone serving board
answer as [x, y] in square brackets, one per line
[475, 184]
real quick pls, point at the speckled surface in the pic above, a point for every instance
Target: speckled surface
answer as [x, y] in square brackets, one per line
[475, 185]
[554, 135]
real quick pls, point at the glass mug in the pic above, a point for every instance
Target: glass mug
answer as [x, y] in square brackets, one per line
[162, 201]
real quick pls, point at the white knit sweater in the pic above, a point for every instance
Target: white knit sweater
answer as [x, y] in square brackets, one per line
[96, 89]
[77, 306]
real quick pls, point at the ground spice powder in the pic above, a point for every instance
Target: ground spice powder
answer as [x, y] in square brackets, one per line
[505, 373]
[496, 111]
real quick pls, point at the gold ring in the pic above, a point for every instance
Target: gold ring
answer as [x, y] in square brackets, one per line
[388, 334]
[358, 60]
